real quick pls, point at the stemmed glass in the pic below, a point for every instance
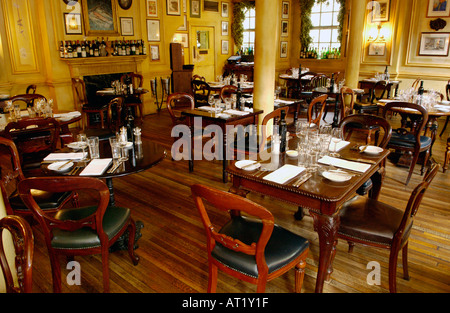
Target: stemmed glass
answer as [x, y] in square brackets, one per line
[336, 137]
[83, 143]
[211, 102]
[277, 92]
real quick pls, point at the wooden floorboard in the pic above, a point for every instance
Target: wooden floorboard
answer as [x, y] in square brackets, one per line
[172, 248]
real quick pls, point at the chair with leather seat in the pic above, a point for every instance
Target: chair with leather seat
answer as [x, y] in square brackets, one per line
[410, 140]
[367, 103]
[303, 89]
[376, 224]
[23, 244]
[447, 92]
[201, 91]
[88, 110]
[135, 101]
[86, 230]
[12, 175]
[252, 247]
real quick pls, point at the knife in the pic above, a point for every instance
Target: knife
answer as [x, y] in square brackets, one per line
[301, 181]
[249, 165]
[114, 168]
[360, 160]
[62, 165]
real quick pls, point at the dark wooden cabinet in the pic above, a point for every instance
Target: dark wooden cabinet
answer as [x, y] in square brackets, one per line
[181, 75]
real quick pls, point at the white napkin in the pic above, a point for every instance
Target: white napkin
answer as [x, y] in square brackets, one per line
[65, 156]
[349, 165]
[235, 112]
[339, 146]
[284, 173]
[73, 113]
[96, 167]
[283, 101]
[209, 109]
[442, 108]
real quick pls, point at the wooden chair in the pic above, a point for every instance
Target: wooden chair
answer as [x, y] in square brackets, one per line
[304, 87]
[31, 89]
[27, 99]
[198, 77]
[12, 175]
[201, 91]
[447, 92]
[317, 104]
[177, 102]
[410, 140]
[79, 231]
[372, 223]
[250, 250]
[134, 100]
[227, 91]
[446, 156]
[368, 101]
[416, 83]
[23, 242]
[35, 138]
[87, 109]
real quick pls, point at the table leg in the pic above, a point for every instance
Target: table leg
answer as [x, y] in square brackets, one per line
[326, 227]
[109, 183]
[336, 112]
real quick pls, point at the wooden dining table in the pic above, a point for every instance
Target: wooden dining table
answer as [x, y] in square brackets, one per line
[321, 196]
[246, 87]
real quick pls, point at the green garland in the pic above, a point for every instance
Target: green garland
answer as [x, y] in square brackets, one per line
[237, 27]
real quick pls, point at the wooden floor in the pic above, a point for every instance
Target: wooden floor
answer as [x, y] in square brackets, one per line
[172, 248]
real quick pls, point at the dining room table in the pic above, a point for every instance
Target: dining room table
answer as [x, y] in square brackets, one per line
[279, 176]
[246, 87]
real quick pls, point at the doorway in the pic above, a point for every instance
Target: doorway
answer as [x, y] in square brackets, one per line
[202, 42]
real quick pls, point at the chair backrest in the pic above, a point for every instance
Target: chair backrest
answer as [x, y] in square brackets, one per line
[198, 77]
[227, 91]
[275, 115]
[31, 89]
[136, 79]
[225, 201]
[28, 99]
[115, 104]
[365, 121]
[379, 90]
[415, 85]
[305, 86]
[321, 101]
[34, 136]
[420, 123]
[447, 90]
[413, 204]
[64, 184]
[320, 80]
[23, 242]
[178, 101]
[346, 93]
[201, 91]
[79, 92]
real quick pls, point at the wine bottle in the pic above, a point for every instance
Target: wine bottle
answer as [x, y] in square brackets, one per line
[238, 97]
[61, 50]
[420, 90]
[386, 74]
[332, 83]
[283, 130]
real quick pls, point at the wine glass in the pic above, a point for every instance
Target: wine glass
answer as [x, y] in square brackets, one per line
[211, 102]
[82, 143]
[277, 92]
[336, 137]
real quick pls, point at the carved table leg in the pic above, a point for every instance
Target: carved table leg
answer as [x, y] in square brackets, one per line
[299, 214]
[326, 227]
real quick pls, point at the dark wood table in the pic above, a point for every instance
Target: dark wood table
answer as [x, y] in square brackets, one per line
[246, 87]
[322, 197]
[208, 118]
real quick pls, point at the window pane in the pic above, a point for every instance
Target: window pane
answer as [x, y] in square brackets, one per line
[252, 23]
[327, 6]
[335, 19]
[334, 35]
[314, 33]
[315, 8]
[326, 19]
[325, 35]
[315, 19]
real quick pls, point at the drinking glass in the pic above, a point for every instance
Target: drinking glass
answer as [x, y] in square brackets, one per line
[211, 102]
[93, 143]
[115, 149]
[83, 143]
[336, 137]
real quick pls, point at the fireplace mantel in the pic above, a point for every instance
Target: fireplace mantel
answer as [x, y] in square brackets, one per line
[80, 67]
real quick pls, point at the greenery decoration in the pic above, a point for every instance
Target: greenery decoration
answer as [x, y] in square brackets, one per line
[237, 26]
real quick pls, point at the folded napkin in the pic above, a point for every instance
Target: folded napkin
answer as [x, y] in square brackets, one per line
[64, 156]
[209, 109]
[339, 146]
[96, 167]
[442, 108]
[235, 112]
[284, 173]
[283, 101]
[349, 165]
[73, 113]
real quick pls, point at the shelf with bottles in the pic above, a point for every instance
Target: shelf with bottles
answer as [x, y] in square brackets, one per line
[71, 49]
[314, 53]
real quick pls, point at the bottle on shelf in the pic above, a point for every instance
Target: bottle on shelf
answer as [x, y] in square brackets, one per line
[144, 48]
[283, 131]
[78, 49]
[83, 50]
[61, 50]
[69, 50]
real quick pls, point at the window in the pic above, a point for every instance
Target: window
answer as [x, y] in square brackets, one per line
[249, 30]
[324, 31]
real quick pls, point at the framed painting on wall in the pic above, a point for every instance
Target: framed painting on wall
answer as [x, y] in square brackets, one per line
[438, 8]
[153, 30]
[285, 9]
[283, 49]
[152, 8]
[212, 6]
[181, 38]
[154, 52]
[377, 48]
[72, 22]
[284, 28]
[224, 46]
[126, 26]
[434, 44]
[380, 10]
[224, 28]
[100, 17]
[195, 8]
[173, 7]
[224, 9]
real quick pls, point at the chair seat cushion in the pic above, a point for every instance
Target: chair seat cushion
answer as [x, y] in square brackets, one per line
[283, 246]
[113, 221]
[369, 220]
[45, 200]
[408, 141]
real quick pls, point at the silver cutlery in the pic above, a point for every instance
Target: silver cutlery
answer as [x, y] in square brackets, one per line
[114, 167]
[62, 165]
[302, 180]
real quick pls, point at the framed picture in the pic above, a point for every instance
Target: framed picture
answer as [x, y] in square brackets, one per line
[173, 7]
[212, 6]
[184, 26]
[380, 10]
[283, 49]
[126, 26]
[184, 6]
[224, 9]
[284, 28]
[125, 4]
[181, 38]
[100, 17]
[152, 8]
[153, 33]
[72, 22]
[377, 48]
[154, 52]
[285, 9]
[224, 46]
[224, 28]
[438, 8]
[434, 44]
[195, 8]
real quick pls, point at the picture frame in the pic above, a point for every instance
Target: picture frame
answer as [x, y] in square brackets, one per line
[284, 28]
[285, 9]
[153, 33]
[225, 9]
[173, 7]
[152, 8]
[184, 26]
[126, 26]
[434, 44]
[438, 8]
[125, 4]
[195, 8]
[182, 38]
[72, 23]
[100, 17]
[225, 47]
[283, 49]
[224, 28]
[380, 10]
[377, 48]
[154, 52]
[212, 6]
